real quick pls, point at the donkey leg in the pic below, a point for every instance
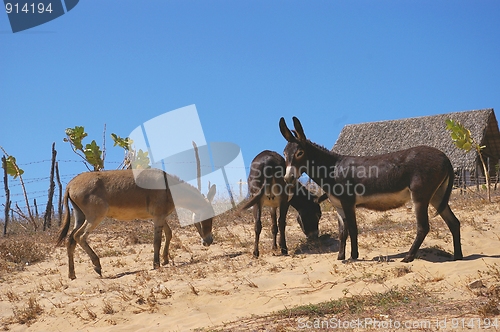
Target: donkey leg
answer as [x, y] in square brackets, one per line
[454, 225]
[81, 236]
[449, 218]
[343, 233]
[71, 244]
[282, 226]
[352, 229]
[168, 237]
[158, 229]
[258, 228]
[274, 227]
[421, 212]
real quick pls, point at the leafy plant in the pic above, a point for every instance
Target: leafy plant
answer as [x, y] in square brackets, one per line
[141, 160]
[12, 168]
[124, 143]
[463, 139]
[133, 159]
[15, 171]
[93, 156]
[91, 153]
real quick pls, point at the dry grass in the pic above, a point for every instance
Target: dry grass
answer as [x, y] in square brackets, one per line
[405, 303]
[18, 251]
[488, 303]
[27, 314]
[370, 305]
[401, 271]
[107, 308]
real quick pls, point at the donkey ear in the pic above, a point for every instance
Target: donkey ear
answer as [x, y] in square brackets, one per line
[287, 134]
[298, 129]
[211, 193]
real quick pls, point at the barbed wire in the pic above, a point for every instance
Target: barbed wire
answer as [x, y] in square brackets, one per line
[38, 193]
[120, 162]
[33, 180]
[50, 160]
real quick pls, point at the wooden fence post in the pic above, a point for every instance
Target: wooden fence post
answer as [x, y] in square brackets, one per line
[476, 176]
[464, 183]
[47, 218]
[59, 205]
[36, 208]
[241, 188]
[7, 195]
[497, 170]
[198, 165]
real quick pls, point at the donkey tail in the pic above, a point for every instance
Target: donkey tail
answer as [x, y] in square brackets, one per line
[255, 198]
[64, 230]
[449, 188]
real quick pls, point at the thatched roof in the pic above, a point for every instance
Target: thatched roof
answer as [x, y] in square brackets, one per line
[387, 136]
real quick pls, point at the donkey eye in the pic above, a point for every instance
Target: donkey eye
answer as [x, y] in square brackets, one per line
[299, 154]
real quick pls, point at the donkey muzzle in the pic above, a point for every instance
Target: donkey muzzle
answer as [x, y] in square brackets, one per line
[290, 174]
[312, 236]
[207, 240]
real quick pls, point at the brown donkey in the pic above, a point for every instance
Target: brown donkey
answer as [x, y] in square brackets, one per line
[422, 174]
[116, 194]
[267, 188]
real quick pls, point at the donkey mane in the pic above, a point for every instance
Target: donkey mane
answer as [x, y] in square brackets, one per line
[321, 147]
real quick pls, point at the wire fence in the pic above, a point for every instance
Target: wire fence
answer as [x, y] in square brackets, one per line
[463, 179]
[17, 195]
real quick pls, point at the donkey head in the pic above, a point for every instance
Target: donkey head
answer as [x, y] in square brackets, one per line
[309, 211]
[308, 219]
[204, 227]
[295, 153]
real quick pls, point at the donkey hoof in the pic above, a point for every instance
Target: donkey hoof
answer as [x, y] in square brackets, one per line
[284, 252]
[408, 259]
[156, 266]
[256, 254]
[341, 257]
[165, 262]
[72, 276]
[458, 257]
[98, 270]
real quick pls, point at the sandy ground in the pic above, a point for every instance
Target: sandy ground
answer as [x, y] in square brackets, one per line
[205, 288]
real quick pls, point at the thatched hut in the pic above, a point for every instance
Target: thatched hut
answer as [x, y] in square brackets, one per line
[386, 136]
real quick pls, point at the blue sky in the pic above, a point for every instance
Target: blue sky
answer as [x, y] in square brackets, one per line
[244, 64]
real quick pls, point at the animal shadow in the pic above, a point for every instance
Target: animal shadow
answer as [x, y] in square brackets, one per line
[479, 256]
[229, 255]
[123, 274]
[323, 244]
[432, 254]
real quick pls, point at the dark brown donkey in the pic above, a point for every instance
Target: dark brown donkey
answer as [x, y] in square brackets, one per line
[421, 174]
[267, 188]
[117, 194]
